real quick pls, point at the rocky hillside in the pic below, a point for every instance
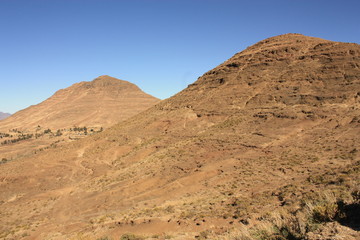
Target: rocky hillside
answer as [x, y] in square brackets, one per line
[101, 102]
[264, 146]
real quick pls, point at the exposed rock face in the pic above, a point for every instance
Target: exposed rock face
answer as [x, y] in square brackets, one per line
[101, 102]
[4, 115]
[273, 127]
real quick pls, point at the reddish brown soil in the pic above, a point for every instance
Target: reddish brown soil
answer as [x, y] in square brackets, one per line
[250, 137]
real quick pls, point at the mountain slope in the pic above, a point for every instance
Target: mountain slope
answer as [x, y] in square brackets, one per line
[4, 115]
[263, 133]
[101, 102]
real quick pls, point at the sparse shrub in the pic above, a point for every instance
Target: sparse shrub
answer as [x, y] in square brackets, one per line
[279, 226]
[130, 236]
[356, 195]
[325, 212]
[263, 234]
[104, 238]
[204, 235]
[234, 65]
[286, 232]
[170, 209]
[47, 131]
[316, 179]
[25, 234]
[324, 209]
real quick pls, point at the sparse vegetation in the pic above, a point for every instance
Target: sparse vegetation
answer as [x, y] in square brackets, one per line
[104, 238]
[47, 131]
[270, 158]
[314, 211]
[18, 135]
[58, 133]
[21, 137]
[130, 236]
[5, 135]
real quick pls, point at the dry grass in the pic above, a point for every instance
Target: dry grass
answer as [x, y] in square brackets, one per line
[244, 148]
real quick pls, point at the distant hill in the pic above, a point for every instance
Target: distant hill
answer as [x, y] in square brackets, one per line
[101, 102]
[4, 115]
[264, 146]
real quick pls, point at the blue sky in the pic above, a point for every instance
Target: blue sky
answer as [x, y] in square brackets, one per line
[160, 45]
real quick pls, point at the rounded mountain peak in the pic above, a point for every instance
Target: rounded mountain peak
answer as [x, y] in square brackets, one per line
[108, 81]
[107, 78]
[101, 102]
[293, 40]
[289, 69]
[104, 83]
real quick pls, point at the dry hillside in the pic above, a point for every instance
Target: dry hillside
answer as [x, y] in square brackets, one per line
[101, 102]
[71, 113]
[264, 146]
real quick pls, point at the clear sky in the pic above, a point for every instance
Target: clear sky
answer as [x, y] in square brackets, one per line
[160, 45]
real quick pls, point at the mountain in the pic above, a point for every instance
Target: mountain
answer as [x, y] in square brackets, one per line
[264, 146]
[4, 115]
[101, 102]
